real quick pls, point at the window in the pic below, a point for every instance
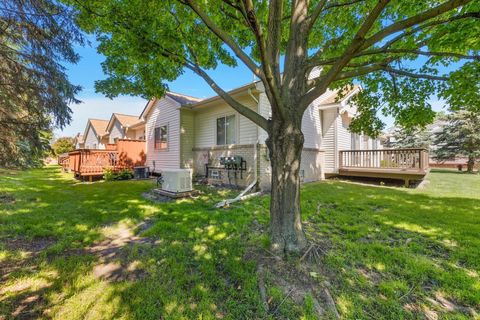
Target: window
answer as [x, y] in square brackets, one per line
[322, 123]
[161, 137]
[355, 141]
[226, 130]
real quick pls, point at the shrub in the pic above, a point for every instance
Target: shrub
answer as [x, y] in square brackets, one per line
[124, 174]
[109, 175]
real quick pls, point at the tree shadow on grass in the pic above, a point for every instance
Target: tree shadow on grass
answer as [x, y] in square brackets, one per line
[196, 259]
[398, 254]
[393, 254]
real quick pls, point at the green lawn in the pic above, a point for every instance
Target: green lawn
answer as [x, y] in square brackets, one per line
[388, 253]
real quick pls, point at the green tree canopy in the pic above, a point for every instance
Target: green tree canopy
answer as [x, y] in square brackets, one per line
[63, 145]
[401, 52]
[36, 37]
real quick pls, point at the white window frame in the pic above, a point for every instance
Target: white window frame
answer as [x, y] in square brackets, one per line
[237, 127]
[168, 137]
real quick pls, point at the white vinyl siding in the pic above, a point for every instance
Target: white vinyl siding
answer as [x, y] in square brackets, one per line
[165, 112]
[206, 123]
[328, 142]
[91, 141]
[312, 127]
[116, 132]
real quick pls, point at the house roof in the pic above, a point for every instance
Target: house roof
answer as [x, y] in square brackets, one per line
[334, 97]
[177, 97]
[125, 120]
[99, 125]
[79, 138]
[181, 98]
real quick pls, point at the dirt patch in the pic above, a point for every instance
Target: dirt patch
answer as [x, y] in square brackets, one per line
[29, 246]
[298, 277]
[113, 263]
[30, 249]
[6, 198]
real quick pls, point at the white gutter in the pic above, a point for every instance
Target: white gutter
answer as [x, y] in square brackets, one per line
[255, 147]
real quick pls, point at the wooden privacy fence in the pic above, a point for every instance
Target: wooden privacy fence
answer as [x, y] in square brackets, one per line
[410, 159]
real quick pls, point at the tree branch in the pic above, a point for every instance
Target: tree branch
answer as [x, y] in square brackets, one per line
[409, 22]
[272, 82]
[349, 53]
[242, 109]
[225, 37]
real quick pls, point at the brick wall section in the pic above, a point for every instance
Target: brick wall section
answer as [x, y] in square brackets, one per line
[212, 155]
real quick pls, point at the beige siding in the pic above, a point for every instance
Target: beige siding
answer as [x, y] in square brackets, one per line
[206, 118]
[116, 132]
[187, 138]
[165, 112]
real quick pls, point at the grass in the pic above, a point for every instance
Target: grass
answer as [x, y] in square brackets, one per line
[393, 253]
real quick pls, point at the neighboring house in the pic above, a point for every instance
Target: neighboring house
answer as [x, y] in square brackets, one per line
[122, 126]
[96, 135]
[79, 141]
[187, 132]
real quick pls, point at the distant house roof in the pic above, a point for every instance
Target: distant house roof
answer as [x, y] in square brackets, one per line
[334, 97]
[100, 126]
[79, 138]
[125, 120]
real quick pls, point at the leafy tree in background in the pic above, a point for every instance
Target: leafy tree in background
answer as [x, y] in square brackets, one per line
[63, 145]
[460, 136]
[371, 42]
[36, 36]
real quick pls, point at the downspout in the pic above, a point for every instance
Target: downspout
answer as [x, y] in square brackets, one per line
[335, 139]
[255, 147]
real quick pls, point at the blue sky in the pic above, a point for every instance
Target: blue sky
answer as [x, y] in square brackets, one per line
[95, 105]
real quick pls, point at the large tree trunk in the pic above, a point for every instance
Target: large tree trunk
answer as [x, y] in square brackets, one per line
[285, 145]
[470, 163]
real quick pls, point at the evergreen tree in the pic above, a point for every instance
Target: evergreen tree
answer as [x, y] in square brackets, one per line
[36, 37]
[460, 136]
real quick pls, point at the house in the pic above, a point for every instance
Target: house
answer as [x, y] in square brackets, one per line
[187, 132]
[78, 141]
[96, 135]
[122, 126]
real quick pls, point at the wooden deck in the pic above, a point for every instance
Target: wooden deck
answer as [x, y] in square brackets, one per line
[402, 164]
[93, 162]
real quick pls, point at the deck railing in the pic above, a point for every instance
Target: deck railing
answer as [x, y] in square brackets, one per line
[413, 159]
[86, 162]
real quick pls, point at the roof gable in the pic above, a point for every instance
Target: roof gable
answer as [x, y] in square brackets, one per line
[99, 127]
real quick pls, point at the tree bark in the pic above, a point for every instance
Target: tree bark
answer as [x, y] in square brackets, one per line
[285, 145]
[470, 164]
